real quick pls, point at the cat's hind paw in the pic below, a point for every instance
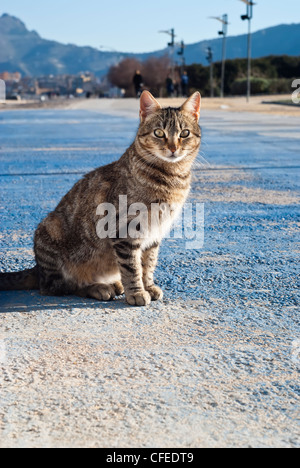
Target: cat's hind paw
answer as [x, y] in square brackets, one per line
[102, 292]
[119, 290]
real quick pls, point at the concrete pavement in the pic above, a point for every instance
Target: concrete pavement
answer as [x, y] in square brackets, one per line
[217, 362]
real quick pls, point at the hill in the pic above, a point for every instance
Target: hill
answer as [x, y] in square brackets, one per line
[278, 40]
[27, 52]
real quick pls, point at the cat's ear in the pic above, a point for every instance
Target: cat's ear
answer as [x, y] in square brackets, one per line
[193, 105]
[148, 105]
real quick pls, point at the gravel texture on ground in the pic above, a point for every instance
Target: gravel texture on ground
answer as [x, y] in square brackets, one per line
[216, 364]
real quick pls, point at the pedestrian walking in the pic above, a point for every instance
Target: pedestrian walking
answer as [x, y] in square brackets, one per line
[169, 86]
[138, 83]
[176, 89]
[185, 84]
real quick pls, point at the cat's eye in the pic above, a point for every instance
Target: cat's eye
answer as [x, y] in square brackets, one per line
[185, 134]
[159, 133]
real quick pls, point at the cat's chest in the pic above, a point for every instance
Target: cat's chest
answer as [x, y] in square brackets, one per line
[160, 220]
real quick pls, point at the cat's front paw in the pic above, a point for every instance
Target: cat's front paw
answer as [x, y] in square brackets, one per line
[140, 299]
[155, 292]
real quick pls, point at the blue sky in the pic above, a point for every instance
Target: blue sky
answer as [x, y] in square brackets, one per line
[132, 26]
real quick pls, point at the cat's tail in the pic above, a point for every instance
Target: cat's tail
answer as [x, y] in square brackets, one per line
[20, 280]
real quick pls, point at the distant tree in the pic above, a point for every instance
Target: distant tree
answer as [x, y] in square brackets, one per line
[272, 74]
[155, 71]
[286, 66]
[121, 75]
[199, 78]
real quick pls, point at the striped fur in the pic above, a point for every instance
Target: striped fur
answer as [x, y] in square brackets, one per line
[72, 259]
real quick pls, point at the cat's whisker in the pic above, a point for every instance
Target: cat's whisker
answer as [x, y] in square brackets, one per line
[203, 143]
[201, 161]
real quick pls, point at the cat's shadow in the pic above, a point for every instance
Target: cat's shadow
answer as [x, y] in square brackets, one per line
[32, 301]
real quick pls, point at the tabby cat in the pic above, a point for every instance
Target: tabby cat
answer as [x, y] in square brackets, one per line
[70, 256]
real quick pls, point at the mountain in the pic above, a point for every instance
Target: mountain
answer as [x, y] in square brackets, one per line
[278, 40]
[25, 51]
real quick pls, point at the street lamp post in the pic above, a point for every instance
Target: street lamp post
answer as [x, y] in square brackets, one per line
[224, 21]
[172, 47]
[224, 34]
[248, 16]
[209, 58]
[181, 54]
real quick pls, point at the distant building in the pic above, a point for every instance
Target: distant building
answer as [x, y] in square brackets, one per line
[7, 76]
[84, 83]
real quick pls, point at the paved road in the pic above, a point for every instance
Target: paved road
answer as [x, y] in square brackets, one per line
[217, 362]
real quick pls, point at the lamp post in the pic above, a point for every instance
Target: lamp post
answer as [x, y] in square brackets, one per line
[181, 53]
[224, 21]
[209, 58]
[248, 16]
[182, 66]
[172, 47]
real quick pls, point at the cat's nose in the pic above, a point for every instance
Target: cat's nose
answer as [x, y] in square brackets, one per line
[173, 148]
